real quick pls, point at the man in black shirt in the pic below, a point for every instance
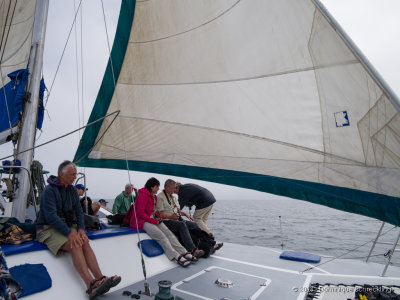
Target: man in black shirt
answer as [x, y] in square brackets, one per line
[88, 207]
[192, 194]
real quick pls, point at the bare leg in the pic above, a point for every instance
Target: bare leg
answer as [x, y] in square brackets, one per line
[79, 260]
[96, 208]
[91, 260]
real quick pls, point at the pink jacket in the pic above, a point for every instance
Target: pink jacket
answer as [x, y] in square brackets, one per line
[144, 206]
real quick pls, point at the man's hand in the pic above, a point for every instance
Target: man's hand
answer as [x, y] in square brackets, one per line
[83, 235]
[75, 240]
[174, 217]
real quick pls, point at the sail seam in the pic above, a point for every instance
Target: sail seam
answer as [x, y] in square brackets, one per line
[247, 135]
[189, 30]
[313, 68]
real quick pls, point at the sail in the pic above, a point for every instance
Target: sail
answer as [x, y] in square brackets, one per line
[16, 24]
[268, 95]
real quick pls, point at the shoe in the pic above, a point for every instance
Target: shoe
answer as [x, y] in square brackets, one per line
[114, 280]
[218, 246]
[98, 287]
[198, 253]
[182, 261]
[189, 256]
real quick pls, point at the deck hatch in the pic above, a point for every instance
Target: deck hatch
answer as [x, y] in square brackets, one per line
[202, 284]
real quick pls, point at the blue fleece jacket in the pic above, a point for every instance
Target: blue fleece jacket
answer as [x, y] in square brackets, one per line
[56, 199]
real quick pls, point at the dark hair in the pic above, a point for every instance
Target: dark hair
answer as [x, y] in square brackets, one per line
[151, 183]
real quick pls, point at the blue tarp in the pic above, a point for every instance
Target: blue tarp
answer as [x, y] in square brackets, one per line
[14, 92]
[33, 278]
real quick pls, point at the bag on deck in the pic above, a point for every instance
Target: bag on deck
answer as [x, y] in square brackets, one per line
[91, 222]
[116, 219]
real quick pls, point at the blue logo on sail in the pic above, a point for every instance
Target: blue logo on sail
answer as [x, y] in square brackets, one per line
[342, 119]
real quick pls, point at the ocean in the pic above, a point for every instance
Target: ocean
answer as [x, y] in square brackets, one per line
[300, 226]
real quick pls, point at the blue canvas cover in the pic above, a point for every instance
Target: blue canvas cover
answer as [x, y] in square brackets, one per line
[14, 92]
[150, 248]
[300, 256]
[33, 278]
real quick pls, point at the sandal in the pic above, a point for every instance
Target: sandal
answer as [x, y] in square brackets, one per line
[98, 288]
[182, 261]
[189, 256]
[114, 280]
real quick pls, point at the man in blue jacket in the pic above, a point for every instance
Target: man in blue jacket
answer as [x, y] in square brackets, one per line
[192, 194]
[60, 226]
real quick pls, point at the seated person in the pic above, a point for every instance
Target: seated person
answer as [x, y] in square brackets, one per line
[103, 204]
[124, 200]
[145, 216]
[88, 207]
[60, 227]
[168, 208]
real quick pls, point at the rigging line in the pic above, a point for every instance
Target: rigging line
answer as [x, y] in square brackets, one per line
[62, 136]
[63, 52]
[288, 72]
[99, 139]
[4, 30]
[82, 96]
[340, 256]
[291, 145]
[146, 285]
[191, 29]
[77, 74]
[114, 83]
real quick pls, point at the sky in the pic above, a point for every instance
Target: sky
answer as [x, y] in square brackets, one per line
[373, 25]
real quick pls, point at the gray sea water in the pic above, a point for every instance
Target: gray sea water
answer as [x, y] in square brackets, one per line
[302, 226]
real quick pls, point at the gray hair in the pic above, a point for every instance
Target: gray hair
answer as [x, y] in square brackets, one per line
[128, 185]
[64, 166]
[169, 182]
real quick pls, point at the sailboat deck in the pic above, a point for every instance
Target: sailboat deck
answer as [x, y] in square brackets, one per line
[258, 273]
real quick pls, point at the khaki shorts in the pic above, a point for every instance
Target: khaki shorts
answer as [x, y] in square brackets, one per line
[52, 238]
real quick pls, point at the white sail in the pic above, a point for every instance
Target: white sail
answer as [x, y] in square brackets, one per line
[262, 94]
[16, 24]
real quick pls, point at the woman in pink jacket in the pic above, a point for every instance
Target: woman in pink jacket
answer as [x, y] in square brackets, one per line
[144, 216]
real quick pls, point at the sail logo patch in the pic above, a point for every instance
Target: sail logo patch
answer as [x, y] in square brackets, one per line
[342, 119]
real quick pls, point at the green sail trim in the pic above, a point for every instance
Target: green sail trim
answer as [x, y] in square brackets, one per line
[378, 206]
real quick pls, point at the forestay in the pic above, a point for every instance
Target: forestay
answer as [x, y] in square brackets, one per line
[267, 95]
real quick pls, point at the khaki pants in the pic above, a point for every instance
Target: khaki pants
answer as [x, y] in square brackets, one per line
[200, 216]
[167, 240]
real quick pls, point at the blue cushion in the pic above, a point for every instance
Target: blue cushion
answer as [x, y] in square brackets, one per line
[300, 256]
[24, 247]
[150, 248]
[32, 278]
[111, 231]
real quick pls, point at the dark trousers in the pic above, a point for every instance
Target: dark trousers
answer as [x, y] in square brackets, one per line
[182, 228]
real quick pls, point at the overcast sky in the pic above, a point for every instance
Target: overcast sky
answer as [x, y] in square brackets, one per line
[374, 26]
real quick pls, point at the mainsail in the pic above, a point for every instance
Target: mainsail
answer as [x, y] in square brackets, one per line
[16, 23]
[268, 95]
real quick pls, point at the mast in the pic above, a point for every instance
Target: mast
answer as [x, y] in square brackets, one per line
[28, 132]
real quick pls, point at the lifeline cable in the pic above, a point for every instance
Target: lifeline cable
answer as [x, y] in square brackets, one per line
[336, 257]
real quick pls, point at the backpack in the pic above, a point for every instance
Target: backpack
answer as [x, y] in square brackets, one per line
[127, 218]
